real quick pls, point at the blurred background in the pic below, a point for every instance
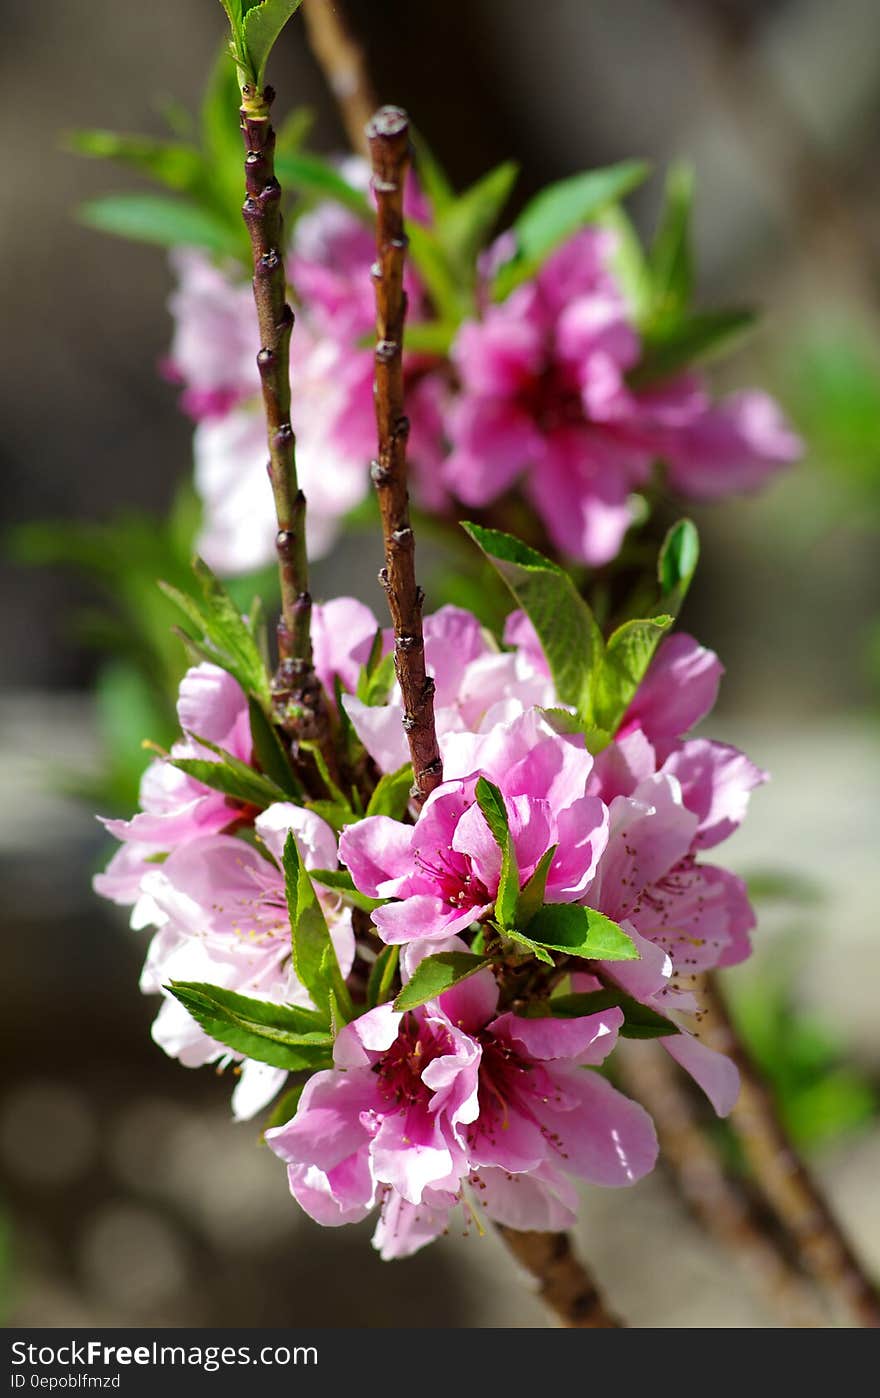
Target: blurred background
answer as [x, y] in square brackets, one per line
[127, 1196]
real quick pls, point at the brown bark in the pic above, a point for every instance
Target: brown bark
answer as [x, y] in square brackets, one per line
[718, 1202]
[343, 65]
[784, 1179]
[388, 136]
[565, 1286]
[300, 705]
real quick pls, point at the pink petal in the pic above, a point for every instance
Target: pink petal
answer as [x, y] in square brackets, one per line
[712, 1071]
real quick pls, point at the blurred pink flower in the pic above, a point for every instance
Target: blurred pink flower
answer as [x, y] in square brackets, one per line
[545, 401]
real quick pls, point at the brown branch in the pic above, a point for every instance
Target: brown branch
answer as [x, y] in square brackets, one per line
[565, 1286]
[716, 1200]
[785, 1181]
[343, 65]
[388, 137]
[300, 706]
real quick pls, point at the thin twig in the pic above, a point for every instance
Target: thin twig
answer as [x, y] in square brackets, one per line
[785, 1181]
[300, 705]
[565, 1285]
[344, 67]
[718, 1202]
[388, 136]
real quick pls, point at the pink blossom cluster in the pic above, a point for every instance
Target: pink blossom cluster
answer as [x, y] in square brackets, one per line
[535, 393]
[461, 1101]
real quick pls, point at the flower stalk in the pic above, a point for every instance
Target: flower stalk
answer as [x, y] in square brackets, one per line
[342, 61]
[388, 138]
[784, 1179]
[564, 1284]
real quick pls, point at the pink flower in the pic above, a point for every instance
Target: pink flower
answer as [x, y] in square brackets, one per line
[222, 914]
[474, 681]
[545, 401]
[176, 807]
[421, 1105]
[443, 872]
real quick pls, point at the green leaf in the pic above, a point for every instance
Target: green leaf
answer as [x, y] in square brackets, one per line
[171, 163]
[671, 256]
[337, 816]
[283, 1036]
[466, 223]
[436, 974]
[223, 636]
[627, 261]
[676, 564]
[269, 752]
[567, 630]
[670, 345]
[431, 176]
[429, 257]
[429, 337]
[234, 778]
[558, 212]
[491, 803]
[314, 957]
[581, 932]
[382, 973]
[221, 135]
[376, 678]
[640, 1021]
[262, 25]
[341, 882]
[311, 175]
[531, 899]
[391, 795]
[535, 948]
[628, 654]
[154, 218]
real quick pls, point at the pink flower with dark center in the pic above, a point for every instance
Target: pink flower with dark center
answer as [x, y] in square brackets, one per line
[443, 873]
[453, 1101]
[545, 402]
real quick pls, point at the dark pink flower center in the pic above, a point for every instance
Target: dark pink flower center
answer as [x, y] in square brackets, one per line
[400, 1069]
[510, 1086]
[454, 878]
[552, 397]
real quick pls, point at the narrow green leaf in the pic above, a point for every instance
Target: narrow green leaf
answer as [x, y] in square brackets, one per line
[172, 163]
[676, 564]
[382, 973]
[532, 896]
[310, 937]
[222, 634]
[670, 345]
[341, 1007]
[559, 211]
[341, 882]
[436, 974]
[155, 218]
[283, 1036]
[441, 279]
[491, 803]
[640, 1021]
[535, 948]
[431, 176]
[465, 224]
[317, 178]
[581, 932]
[262, 25]
[269, 751]
[336, 816]
[235, 779]
[429, 337]
[671, 257]
[628, 654]
[566, 627]
[391, 795]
